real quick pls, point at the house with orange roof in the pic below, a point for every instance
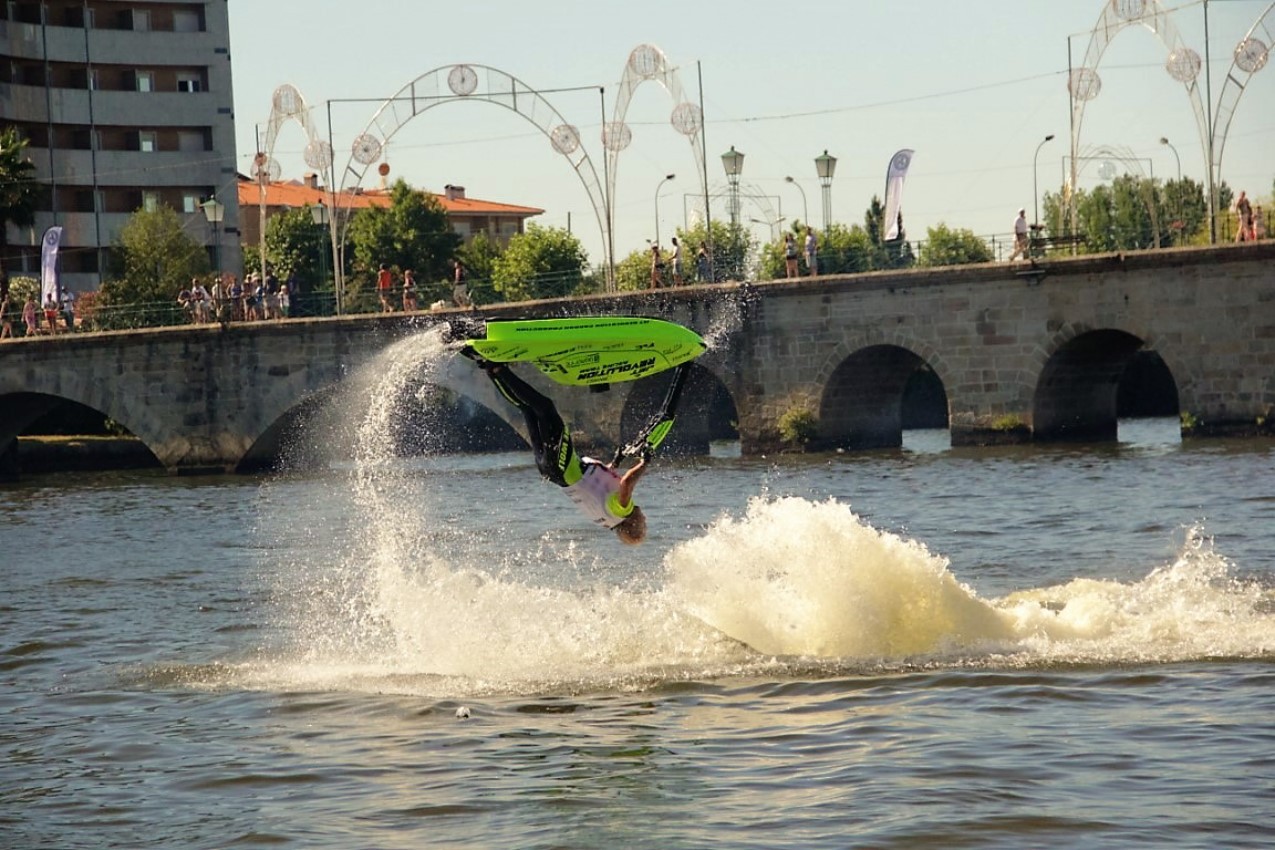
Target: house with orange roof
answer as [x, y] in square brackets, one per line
[467, 216]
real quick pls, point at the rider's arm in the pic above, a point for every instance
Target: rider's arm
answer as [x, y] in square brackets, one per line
[629, 480]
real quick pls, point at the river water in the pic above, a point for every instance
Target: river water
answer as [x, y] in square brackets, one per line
[1010, 647]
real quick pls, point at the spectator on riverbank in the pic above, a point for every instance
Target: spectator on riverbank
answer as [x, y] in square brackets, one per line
[409, 291]
[384, 283]
[6, 321]
[703, 267]
[1244, 217]
[657, 266]
[460, 285]
[790, 255]
[67, 299]
[29, 314]
[51, 313]
[812, 251]
[1020, 237]
[677, 262]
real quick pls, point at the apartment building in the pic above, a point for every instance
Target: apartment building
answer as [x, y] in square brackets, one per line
[127, 105]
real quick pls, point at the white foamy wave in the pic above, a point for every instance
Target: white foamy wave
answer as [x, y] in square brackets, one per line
[794, 577]
[1191, 608]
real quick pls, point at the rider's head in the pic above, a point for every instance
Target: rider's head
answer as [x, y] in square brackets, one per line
[633, 530]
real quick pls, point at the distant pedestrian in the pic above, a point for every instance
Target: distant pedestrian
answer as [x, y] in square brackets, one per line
[29, 315]
[6, 321]
[1259, 224]
[677, 262]
[790, 255]
[51, 313]
[384, 283]
[460, 286]
[1020, 237]
[409, 291]
[657, 266]
[812, 252]
[703, 266]
[1244, 219]
[67, 299]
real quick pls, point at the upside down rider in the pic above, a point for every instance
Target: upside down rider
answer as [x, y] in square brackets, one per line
[603, 491]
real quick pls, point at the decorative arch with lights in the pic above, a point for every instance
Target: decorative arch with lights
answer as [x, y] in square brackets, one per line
[455, 83]
[287, 104]
[647, 63]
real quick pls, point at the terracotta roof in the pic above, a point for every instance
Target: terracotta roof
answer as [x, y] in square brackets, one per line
[293, 193]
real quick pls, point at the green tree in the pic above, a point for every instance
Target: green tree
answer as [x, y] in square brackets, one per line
[18, 189]
[544, 262]
[479, 257]
[157, 259]
[842, 250]
[411, 233]
[730, 250]
[1185, 210]
[633, 273]
[947, 247]
[887, 254]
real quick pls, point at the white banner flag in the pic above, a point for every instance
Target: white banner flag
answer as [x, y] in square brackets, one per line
[49, 264]
[894, 191]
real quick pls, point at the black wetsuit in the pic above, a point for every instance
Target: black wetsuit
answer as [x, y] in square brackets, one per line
[556, 457]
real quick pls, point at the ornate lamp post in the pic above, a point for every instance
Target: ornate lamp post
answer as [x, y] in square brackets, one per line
[733, 162]
[215, 211]
[1035, 191]
[319, 215]
[658, 186]
[826, 167]
[805, 210]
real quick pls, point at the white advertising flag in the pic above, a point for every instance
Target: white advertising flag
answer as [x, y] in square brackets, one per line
[894, 191]
[49, 264]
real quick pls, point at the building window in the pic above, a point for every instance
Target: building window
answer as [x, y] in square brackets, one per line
[145, 81]
[190, 140]
[141, 20]
[150, 201]
[147, 141]
[190, 203]
[189, 83]
[186, 21]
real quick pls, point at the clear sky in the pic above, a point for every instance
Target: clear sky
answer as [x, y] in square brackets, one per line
[972, 86]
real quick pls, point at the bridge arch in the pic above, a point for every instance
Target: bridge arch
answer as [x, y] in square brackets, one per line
[462, 82]
[1077, 390]
[707, 411]
[862, 403]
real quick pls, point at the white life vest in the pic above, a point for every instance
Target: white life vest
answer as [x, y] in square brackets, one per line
[597, 494]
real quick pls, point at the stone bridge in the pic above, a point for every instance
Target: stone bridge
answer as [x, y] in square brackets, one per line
[997, 353]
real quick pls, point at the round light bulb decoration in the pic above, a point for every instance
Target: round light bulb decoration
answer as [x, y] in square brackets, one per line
[565, 139]
[366, 149]
[1107, 170]
[616, 136]
[645, 60]
[1251, 55]
[686, 119]
[1084, 84]
[318, 154]
[1129, 10]
[462, 80]
[1183, 65]
[287, 100]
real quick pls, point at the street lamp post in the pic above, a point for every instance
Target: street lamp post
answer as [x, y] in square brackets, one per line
[1035, 189]
[319, 215]
[215, 211]
[1165, 141]
[658, 186]
[825, 167]
[805, 210]
[733, 162]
